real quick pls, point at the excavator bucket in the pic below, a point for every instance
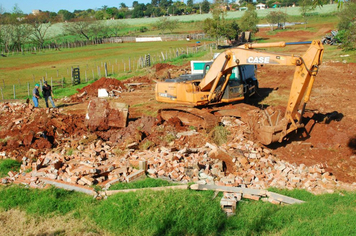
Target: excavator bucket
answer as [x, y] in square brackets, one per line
[267, 125]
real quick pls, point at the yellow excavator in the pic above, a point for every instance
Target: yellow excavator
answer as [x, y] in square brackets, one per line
[231, 78]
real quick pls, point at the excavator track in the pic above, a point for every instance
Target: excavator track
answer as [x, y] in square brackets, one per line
[267, 125]
[190, 116]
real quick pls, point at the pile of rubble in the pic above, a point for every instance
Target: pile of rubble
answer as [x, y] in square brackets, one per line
[81, 158]
[239, 163]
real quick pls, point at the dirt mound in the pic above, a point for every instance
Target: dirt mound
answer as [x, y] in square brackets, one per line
[103, 83]
[91, 90]
[139, 79]
[166, 71]
[163, 66]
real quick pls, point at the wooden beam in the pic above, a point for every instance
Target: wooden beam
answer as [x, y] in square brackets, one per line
[248, 191]
[111, 192]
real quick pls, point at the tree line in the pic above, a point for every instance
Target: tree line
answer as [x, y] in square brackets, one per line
[18, 29]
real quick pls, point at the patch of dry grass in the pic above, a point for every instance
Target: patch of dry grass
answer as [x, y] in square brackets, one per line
[16, 222]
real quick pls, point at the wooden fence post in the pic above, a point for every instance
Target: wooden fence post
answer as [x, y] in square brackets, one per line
[112, 69]
[129, 63]
[14, 92]
[28, 89]
[106, 69]
[92, 70]
[57, 73]
[86, 77]
[71, 74]
[3, 82]
[2, 95]
[52, 83]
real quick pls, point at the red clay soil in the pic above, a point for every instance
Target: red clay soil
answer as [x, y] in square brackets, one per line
[330, 118]
[37, 129]
[103, 83]
[139, 79]
[165, 71]
[295, 35]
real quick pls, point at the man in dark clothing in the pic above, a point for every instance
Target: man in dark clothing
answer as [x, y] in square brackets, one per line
[47, 93]
[35, 95]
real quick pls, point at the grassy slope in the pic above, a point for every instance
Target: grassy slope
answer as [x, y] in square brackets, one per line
[187, 212]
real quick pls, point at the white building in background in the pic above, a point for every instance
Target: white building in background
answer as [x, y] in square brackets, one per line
[260, 6]
[238, 2]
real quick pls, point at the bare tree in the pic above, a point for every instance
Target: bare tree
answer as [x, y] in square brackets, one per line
[80, 26]
[115, 29]
[40, 24]
[164, 24]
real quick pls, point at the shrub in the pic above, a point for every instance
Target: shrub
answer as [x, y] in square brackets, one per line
[219, 135]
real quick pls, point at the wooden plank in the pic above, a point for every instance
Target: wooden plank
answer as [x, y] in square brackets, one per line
[248, 192]
[284, 199]
[68, 186]
[111, 192]
[229, 189]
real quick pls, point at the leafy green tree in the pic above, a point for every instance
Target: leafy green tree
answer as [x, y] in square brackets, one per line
[232, 31]
[155, 3]
[190, 3]
[134, 4]
[149, 10]
[165, 3]
[218, 26]
[65, 15]
[99, 15]
[138, 11]
[276, 17]
[205, 6]
[249, 19]
[347, 26]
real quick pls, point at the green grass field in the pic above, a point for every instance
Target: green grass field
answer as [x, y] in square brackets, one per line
[28, 69]
[187, 212]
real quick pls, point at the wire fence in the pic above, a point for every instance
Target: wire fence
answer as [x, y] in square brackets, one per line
[62, 79]
[35, 48]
